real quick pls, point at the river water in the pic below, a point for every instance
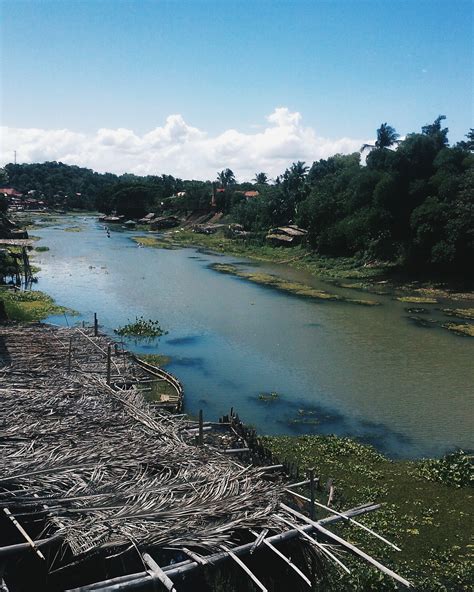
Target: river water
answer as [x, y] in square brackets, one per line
[365, 372]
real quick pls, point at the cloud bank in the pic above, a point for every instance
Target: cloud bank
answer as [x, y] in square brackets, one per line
[178, 148]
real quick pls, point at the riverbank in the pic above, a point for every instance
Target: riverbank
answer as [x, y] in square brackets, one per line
[30, 305]
[430, 521]
[346, 272]
[425, 509]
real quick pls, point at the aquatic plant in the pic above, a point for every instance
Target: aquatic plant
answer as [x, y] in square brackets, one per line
[141, 327]
[41, 249]
[460, 313]
[283, 285]
[455, 469]
[417, 299]
[460, 328]
[268, 396]
[153, 241]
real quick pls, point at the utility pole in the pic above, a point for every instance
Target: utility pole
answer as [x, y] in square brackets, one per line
[15, 156]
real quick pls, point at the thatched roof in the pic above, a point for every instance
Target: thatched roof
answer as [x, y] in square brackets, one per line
[105, 472]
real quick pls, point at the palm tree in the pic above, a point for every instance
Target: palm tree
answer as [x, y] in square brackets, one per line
[226, 178]
[386, 137]
[261, 178]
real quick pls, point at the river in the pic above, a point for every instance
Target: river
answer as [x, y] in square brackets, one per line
[365, 372]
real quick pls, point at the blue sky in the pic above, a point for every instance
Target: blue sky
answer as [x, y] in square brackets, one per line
[345, 66]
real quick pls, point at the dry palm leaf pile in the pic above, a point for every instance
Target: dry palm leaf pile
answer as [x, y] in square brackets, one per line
[91, 470]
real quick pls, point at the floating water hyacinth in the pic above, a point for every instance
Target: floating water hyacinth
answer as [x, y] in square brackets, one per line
[141, 327]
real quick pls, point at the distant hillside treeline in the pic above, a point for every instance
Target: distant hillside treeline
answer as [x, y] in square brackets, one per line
[77, 187]
[411, 201]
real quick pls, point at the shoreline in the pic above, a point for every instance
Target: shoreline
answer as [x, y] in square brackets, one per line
[418, 514]
[344, 272]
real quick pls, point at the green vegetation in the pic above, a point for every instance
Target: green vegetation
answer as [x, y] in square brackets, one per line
[30, 305]
[454, 469]
[283, 285]
[460, 313]
[73, 229]
[422, 512]
[141, 327]
[41, 249]
[417, 300]
[159, 360]
[153, 241]
[268, 396]
[460, 329]
[60, 185]
[410, 206]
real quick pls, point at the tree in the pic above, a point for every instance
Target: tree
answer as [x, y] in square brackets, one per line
[386, 137]
[133, 201]
[434, 130]
[469, 145]
[226, 178]
[3, 177]
[261, 179]
[294, 187]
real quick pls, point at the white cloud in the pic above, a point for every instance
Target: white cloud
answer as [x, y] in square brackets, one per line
[179, 149]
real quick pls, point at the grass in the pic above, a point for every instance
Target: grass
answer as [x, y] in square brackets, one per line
[460, 328]
[430, 521]
[417, 300]
[159, 360]
[161, 387]
[460, 313]
[73, 229]
[153, 241]
[377, 277]
[30, 305]
[295, 288]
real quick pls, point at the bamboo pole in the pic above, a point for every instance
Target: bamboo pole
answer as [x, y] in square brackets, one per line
[316, 543]
[24, 533]
[312, 511]
[349, 546]
[285, 559]
[200, 435]
[248, 571]
[109, 361]
[351, 520]
[141, 580]
[158, 573]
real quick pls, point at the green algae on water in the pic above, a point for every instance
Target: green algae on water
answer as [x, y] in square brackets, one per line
[295, 288]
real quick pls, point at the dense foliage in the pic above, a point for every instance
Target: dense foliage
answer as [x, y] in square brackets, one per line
[410, 200]
[455, 469]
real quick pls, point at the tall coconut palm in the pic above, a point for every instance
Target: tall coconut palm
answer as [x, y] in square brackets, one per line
[261, 178]
[226, 178]
[386, 137]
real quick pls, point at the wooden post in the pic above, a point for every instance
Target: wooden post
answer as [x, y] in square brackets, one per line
[201, 429]
[96, 325]
[312, 512]
[116, 350]
[69, 356]
[109, 360]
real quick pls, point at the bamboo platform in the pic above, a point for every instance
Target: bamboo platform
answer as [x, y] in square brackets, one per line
[100, 490]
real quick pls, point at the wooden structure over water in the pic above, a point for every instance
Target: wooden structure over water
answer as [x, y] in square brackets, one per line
[100, 490]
